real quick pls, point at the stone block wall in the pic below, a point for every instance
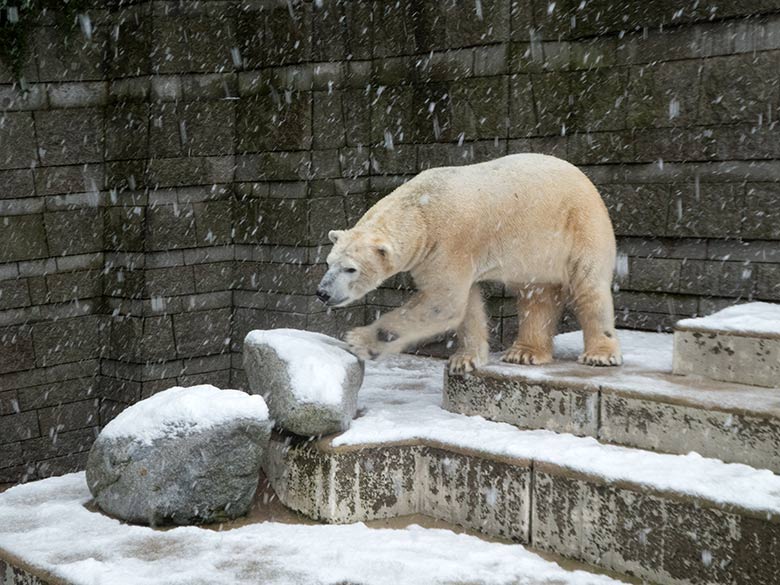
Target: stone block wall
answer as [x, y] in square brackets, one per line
[167, 184]
[52, 254]
[117, 208]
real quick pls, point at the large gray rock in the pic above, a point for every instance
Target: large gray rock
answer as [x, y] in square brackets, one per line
[183, 456]
[309, 380]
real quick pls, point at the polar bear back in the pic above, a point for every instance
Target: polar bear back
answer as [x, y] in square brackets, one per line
[520, 218]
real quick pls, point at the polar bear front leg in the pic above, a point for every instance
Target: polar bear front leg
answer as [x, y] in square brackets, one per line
[364, 342]
[373, 341]
[472, 349]
[427, 314]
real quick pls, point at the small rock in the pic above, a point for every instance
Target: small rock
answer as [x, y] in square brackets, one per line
[183, 456]
[309, 380]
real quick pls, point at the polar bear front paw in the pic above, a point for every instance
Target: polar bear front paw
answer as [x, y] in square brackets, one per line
[363, 342]
[463, 363]
[523, 355]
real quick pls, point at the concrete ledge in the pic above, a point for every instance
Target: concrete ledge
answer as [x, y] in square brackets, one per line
[14, 571]
[738, 344]
[729, 356]
[530, 404]
[733, 436]
[357, 484]
[664, 537]
[641, 404]
[678, 416]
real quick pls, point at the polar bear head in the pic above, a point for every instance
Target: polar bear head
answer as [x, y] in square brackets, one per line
[358, 263]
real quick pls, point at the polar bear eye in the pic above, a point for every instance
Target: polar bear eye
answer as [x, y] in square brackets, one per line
[350, 270]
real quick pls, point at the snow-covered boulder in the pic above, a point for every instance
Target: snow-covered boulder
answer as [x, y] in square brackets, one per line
[309, 380]
[183, 456]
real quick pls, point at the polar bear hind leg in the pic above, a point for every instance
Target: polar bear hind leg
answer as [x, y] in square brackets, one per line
[592, 303]
[539, 310]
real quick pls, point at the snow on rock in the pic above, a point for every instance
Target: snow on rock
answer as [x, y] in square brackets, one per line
[756, 318]
[47, 524]
[182, 456]
[309, 380]
[178, 410]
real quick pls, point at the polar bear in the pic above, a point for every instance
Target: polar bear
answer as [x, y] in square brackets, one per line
[533, 222]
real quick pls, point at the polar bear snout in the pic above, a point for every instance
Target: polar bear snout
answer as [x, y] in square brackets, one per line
[333, 289]
[326, 293]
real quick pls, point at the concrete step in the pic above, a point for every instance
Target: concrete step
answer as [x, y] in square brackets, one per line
[14, 571]
[738, 344]
[635, 529]
[52, 534]
[641, 404]
[668, 519]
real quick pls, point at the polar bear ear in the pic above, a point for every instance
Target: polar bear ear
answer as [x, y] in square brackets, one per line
[383, 249]
[334, 235]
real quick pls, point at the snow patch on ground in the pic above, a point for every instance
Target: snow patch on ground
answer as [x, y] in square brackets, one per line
[46, 524]
[180, 409]
[317, 363]
[758, 318]
[401, 400]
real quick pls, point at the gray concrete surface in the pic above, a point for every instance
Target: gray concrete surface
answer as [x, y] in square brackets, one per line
[663, 537]
[629, 406]
[728, 356]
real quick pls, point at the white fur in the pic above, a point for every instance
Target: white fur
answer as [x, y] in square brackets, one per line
[533, 222]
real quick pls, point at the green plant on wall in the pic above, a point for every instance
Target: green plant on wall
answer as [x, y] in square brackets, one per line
[19, 17]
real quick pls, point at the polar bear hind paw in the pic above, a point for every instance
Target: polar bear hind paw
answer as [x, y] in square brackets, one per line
[601, 358]
[526, 356]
